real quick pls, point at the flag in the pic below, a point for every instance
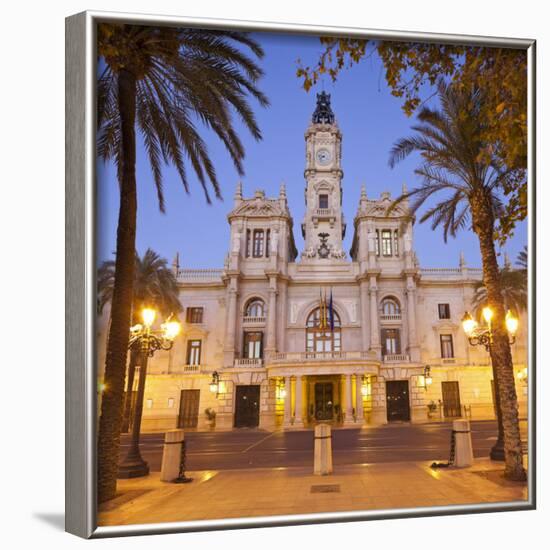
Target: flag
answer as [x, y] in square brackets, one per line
[331, 312]
[322, 310]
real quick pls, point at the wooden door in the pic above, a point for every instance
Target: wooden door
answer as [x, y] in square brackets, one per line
[324, 401]
[451, 399]
[247, 406]
[397, 400]
[189, 409]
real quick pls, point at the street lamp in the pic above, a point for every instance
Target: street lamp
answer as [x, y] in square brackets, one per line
[146, 341]
[483, 336]
[427, 377]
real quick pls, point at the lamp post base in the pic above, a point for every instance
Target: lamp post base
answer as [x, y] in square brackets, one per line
[133, 466]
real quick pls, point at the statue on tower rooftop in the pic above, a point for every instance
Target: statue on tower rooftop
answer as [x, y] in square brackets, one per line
[323, 112]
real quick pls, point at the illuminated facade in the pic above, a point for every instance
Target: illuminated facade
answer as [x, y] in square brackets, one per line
[256, 322]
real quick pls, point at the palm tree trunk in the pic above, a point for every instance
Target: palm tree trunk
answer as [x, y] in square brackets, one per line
[110, 421]
[501, 356]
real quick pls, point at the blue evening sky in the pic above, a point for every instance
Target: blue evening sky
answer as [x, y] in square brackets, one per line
[370, 119]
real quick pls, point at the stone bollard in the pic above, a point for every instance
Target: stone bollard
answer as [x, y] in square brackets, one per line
[323, 450]
[171, 454]
[464, 455]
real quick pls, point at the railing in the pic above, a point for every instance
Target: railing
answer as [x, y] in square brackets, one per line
[186, 369]
[311, 356]
[249, 319]
[245, 362]
[448, 360]
[396, 358]
[390, 317]
[199, 274]
[324, 212]
[451, 272]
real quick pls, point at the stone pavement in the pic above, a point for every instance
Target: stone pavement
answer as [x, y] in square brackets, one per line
[286, 491]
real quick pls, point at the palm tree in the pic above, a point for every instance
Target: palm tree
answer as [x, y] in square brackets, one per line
[154, 285]
[513, 284]
[522, 260]
[450, 144]
[164, 81]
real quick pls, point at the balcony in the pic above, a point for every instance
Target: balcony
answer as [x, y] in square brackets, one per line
[312, 356]
[248, 363]
[391, 317]
[250, 320]
[396, 358]
[187, 369]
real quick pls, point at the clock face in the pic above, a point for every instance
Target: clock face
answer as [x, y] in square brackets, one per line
[323, 156]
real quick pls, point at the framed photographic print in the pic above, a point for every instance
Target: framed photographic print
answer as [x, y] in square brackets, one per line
[300, 274]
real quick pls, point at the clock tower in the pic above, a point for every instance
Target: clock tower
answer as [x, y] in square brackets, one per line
[323, 227]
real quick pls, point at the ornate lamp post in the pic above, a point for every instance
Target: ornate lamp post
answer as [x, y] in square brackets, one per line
[146, 341]
[483, 336]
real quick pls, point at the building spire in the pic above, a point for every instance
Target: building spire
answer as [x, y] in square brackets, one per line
[282, 190]
[462, 260]
[176, 264]
[404, 189]
[238, 197]
[323, 112]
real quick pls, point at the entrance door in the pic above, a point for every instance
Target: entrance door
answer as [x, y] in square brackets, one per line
[324, 401]
[247, 406]
[189, 409]
[397, 399]
[451, 399]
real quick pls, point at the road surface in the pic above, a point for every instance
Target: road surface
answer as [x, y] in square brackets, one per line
[254, 448]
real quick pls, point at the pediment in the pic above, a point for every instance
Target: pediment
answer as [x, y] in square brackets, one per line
[259, 208]
[380, 208]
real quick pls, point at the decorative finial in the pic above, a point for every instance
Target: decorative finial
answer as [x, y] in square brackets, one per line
[239, 191]
[363, 192]
[323, 112]
[176, 263]
[462, 260]
[404, 189]
[282, 190]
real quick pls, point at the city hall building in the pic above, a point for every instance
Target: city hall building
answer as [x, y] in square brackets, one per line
[256, 348]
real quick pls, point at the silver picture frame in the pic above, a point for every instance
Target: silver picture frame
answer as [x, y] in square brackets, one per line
[80, 365]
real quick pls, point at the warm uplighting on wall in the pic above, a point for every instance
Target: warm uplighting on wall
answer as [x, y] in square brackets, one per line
[281, 392]
[365, 387]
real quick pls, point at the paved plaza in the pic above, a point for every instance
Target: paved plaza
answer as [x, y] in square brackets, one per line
[221, 494]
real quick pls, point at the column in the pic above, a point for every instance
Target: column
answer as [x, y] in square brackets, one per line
[298, 413]
[358, 399]
[374, 331]
[271, 345]
[364, 293]
[282, 318]
[411, 319]
[230, 324]
[349, 399]
[288, 402]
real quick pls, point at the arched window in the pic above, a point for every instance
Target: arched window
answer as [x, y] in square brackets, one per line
[322, 340]
[255, 308]
[390, 306]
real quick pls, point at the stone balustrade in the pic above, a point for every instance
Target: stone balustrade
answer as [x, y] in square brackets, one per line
[246, 362]
[390, 317]
[198, 275]
[310, 356]
[250, 320]
[396, 358]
